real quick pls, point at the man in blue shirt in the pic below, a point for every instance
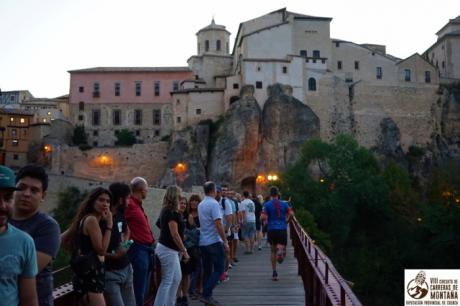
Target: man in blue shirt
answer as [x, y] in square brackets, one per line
[31, 184]
[277, 214]
[213, 242]
[18, 260]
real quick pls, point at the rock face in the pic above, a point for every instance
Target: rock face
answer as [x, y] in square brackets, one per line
[235, 150]
[389, 142]
[286, 124]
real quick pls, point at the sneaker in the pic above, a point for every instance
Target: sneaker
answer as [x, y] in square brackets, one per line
[259, 248]
[275, 276]
[209, 301]
[224, 277]
[184, 301]
[235, 259]
[230, 266]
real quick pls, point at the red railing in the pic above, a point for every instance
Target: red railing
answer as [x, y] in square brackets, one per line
[322, 283]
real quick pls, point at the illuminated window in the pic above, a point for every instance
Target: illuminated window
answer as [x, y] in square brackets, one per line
[49, 113]
[11, 119]
[22, 120]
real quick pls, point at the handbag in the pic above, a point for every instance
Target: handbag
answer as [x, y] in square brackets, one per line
[83, 265]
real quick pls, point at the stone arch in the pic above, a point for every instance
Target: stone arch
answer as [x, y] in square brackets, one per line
[233, 99]
[249, 184]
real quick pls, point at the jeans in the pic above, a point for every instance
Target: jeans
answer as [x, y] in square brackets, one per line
[141, 258]
[213, 257]
[119, 287]
[170, 276]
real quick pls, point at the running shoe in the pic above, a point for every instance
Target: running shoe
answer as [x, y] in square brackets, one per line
[209, 301]
[275, 276]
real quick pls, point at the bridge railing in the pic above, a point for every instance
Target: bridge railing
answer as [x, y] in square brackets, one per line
[322, 283]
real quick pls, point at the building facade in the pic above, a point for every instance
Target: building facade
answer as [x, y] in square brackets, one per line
[15, 137]
[107, 100]
[14, 97]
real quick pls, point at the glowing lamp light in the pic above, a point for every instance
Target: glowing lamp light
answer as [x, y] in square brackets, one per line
[269, 177]
[419, 219]
[47, 149]
[260, 179]
[322, 180]
[180, 168]
[457, 200]
[274, 177]
[104, 160]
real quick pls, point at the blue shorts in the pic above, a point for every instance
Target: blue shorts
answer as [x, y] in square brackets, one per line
[248, 230]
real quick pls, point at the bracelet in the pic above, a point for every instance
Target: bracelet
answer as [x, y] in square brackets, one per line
[108, 229]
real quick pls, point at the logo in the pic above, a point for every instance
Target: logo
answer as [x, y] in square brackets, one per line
[418, 287]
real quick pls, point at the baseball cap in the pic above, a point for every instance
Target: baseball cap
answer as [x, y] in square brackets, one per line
[7, 178]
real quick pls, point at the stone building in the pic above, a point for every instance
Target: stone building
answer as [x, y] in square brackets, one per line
[108, 99]
[14, 97]
[445, 52]
[15, 137]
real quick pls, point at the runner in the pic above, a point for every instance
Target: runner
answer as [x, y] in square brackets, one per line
[277, 214]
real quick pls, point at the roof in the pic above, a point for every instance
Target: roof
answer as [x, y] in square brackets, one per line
[132, 69]
[416, 55]
[182, 91]
[10, 111]
[454, 21]
[213, 27]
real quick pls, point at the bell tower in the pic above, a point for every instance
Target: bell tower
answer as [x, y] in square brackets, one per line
[213, 39]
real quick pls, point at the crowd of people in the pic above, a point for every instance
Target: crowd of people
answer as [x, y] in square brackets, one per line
[112, 246]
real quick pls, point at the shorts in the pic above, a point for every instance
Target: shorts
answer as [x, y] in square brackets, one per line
[277, 237]
[249, 230]
[258, 225]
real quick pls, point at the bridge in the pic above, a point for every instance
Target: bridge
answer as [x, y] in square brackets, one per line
[306, 277]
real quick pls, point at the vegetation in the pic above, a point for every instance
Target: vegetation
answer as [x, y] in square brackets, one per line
[125, 138]
[371, 221]
[79, 136]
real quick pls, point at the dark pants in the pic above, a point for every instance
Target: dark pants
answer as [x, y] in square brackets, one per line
[213, 257]
[141, 258]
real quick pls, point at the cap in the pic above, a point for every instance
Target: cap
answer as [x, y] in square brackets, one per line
[7, 178]
[218, 188]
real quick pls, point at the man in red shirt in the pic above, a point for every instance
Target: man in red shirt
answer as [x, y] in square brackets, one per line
[141, 252]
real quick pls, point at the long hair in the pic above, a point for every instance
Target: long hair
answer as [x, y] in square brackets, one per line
[86, 207]
[193, 197]
[171, 198]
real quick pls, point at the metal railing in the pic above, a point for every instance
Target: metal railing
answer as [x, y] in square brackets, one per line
[322, 283]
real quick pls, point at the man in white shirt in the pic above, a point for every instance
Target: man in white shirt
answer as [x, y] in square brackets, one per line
[248, 231]
[213, 242]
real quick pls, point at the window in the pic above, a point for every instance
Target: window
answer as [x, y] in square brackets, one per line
[11, 119]
[95, 133]
[95, 143]
[311, 84]
[178, 119]
[443, 64]
[259, 84]
[15, 157]
[258, 68]
[80, 117]
[138, 89]
[138, 132]
[15, 142]
[316, 54]
[427, 77]
[178, 101]
[236, 85]
[218, 45]
[12, 98]
[206, 45]
[407, 75]
[157, 133]
[96, 117]
[379, 73]
[157, 88]
[337, 44]
[284, 69]
[137, 116]
[116, 117]
[157, 116]
[81, 89]
[22, 120]
[81, 106]
[175, 85]
[198, 111]
[117, 89]
[303, 53]
[14, 132]
[339, 65]
[96, 93]
[356, 65]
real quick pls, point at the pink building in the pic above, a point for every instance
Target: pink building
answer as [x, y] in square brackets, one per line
[106, 100]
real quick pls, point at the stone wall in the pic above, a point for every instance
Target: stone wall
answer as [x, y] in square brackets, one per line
[120, 163]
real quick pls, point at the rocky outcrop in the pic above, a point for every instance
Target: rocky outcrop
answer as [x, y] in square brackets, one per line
[389, 143]
[286, 124]
[234, 152]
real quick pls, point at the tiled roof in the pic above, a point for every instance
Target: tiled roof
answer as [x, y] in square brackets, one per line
[11, 111]
[131, 69]
[213, 26]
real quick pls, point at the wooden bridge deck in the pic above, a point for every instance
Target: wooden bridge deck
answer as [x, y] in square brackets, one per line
[251, 284]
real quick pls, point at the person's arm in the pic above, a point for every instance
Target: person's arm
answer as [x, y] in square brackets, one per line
[221, 232]
[47, 241]
[228, 212]
[27, 291]
[173, 229]
[43, 260]
[100, 241]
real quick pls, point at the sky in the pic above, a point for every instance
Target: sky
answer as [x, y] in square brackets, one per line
[42, 39]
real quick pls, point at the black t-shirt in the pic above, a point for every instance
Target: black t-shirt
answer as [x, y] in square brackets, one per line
[165, 234]
[119, 227]
[258, 211]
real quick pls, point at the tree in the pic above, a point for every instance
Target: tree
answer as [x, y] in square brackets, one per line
[79, 135]
[125, 138]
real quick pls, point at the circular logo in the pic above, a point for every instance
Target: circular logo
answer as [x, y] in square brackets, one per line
[418, 288]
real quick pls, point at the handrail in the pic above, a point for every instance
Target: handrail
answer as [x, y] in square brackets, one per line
[322, 283]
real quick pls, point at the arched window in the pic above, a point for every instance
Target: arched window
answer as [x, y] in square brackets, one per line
[206, 45]
[218, 45]
[312, 84]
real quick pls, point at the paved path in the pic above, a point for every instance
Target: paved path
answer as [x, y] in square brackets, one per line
[251, 284]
